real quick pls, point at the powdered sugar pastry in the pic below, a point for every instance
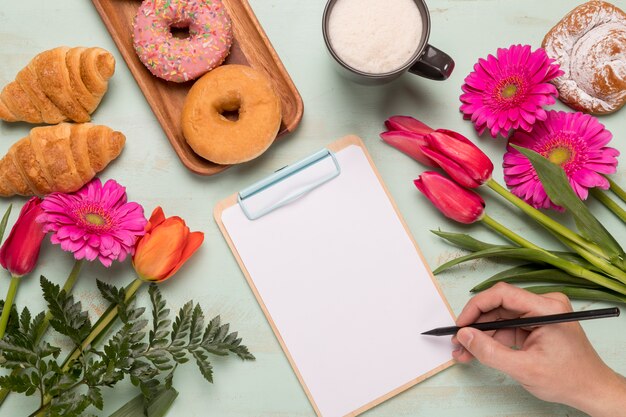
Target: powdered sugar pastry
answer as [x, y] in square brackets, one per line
[590, 46]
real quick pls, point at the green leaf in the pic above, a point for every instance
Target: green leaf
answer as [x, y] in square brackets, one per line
[150, 366]
[182, 324]
[580, 293]
[59, 382]
[217, 341]
[196, 326]
[69, 404]
[138, 407]
[533, 273]
[14, 321]
[515, 253]
[157, 337]
[204, 365]
[162, 403]
[558, 188]
[5, 220]
[95, 397]
[465, 241]
[68, 317]
[18, 383]
[111, 293]
[14, 350]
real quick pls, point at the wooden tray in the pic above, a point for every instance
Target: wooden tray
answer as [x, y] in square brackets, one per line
[250, 47]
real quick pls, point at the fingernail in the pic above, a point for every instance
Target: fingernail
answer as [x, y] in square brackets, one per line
[465, 336]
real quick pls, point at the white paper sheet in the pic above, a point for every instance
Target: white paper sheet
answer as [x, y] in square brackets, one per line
[344, 285]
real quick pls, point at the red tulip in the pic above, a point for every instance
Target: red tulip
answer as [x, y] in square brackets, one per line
[459, 157]
[407, 124]
[165, 247]
[453, 152]
[20, 250]
[454, 201]
[410, 143]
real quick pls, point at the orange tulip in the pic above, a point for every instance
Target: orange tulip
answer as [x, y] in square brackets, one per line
[165, 247]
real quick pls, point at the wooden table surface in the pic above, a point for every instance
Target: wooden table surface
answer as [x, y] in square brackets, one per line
[334, 107]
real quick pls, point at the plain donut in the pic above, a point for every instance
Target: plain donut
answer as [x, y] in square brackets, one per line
[231, 88]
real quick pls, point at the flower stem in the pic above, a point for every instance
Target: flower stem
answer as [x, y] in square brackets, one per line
[601, 264]
[508, 233]
[567, 266]
[100, 325]
[617, 190]
[609, 203]
[8, 304]
[550, 224]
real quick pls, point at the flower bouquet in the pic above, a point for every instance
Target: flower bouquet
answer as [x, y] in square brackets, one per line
[554, 160]
[98, 223]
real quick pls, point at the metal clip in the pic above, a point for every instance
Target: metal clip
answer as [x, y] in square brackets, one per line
[283, 174]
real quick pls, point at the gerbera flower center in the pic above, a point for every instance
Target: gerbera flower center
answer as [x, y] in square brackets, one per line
[560, 155]
[93, 217]
[509, 90]
[566, 149]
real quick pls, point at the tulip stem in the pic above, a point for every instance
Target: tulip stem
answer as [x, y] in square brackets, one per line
[8, 304]
[601, 264]
[617, 190]
[609, 203]
[567, 266]
[550, 224]
[508, 233]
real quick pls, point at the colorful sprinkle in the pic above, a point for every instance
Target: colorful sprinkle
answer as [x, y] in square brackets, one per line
[180, 60]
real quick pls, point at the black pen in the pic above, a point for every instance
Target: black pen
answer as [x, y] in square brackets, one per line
[530, 321]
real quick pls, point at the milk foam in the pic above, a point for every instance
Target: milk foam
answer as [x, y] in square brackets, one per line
[375, 36]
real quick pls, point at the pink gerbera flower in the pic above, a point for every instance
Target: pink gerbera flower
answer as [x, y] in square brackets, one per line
[575, 141]
[509, 92]
[94, 222]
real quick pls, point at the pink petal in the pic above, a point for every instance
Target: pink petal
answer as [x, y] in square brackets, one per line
[407, 123]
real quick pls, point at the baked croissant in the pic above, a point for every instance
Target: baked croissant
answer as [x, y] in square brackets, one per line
[60, 158]
[58, 85]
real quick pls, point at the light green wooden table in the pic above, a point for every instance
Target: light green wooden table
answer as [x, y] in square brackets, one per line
[466, 29]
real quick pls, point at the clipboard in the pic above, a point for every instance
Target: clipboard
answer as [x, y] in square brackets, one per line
[339, 278]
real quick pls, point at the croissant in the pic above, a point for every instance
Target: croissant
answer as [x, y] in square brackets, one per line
[60, 158]
[58, 85]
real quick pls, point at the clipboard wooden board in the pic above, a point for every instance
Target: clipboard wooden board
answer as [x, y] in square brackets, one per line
[340, 279]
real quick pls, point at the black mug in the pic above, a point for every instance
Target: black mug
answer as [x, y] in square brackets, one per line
[427, 61]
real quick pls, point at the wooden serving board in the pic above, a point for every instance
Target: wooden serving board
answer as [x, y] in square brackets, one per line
[250, 47]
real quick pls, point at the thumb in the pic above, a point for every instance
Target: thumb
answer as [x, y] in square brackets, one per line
[487, 350]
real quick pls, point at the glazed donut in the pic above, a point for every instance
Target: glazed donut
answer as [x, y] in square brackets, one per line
[231, 88]
[590, 46]
[180, 60]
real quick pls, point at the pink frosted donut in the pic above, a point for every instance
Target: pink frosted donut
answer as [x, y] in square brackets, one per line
[180, 60]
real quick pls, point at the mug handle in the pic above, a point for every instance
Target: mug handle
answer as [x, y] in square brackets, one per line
[433, 64]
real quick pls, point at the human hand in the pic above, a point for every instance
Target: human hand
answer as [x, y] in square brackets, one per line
[555, 362]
